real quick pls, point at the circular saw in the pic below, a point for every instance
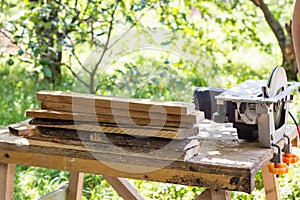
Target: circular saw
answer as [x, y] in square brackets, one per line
[259, 107]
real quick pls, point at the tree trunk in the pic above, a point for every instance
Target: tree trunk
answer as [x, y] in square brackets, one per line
[48, 38]
[289, 58]
[284, 40]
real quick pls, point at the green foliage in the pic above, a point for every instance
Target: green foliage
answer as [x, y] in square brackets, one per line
[16, 89]
[32, 182]
[95, 187]
[48, 33]
[155, 190]
[228, 39]
[165, 78]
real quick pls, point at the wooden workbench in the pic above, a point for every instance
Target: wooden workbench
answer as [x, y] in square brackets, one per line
[218, 161]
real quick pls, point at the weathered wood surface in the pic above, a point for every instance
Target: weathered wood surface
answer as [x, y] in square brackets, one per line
[106, 143]
[120, 140]
[226, 164]
[110, 142]
[143, 132]
[60, 115]
[22, 128]
[44, 121]
[146, 105]
[194, 117]
[104, 168]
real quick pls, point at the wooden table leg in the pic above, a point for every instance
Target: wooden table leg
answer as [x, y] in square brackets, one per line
[270, 184]
[7, 173]
[75, 185]
[211, 194]
[295, 141]
[123, 188]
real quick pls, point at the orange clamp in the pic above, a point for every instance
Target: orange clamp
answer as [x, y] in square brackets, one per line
[289, 158]
[278, 168]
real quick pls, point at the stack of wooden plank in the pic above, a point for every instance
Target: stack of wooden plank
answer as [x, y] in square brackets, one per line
[104, 125]
[66, 111]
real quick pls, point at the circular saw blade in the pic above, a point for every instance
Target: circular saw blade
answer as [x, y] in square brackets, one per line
[277, 81]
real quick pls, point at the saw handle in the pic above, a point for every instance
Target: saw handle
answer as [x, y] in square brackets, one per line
[289, 158]
[275, 165]
[278, 168]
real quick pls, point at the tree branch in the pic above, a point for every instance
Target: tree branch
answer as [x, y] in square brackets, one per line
[134, 24]
[76, 76]
[108, 38]
[273, 23]
[9, 38]
[77, 58]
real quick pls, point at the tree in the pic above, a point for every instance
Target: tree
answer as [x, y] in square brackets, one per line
[284, 38]
[49, 32]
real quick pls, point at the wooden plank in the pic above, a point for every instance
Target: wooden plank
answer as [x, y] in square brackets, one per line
[271, 185]
[120, 140]
[165, 175]
[180, 134]
[123, 188]
[146, 105]
[106, 143]
[59, 115]
[7, 172]
[194, 117]
[75, 185]
[45, 121]
[164, 153]
[22, 128]
[91, 139]
[91, 132]
[103, 154]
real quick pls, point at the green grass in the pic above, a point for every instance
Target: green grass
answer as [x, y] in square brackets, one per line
[18, 88]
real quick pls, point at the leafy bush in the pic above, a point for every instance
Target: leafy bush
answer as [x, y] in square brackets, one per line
[18, 89]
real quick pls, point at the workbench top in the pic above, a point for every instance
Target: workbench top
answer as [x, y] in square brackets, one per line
[215, 158]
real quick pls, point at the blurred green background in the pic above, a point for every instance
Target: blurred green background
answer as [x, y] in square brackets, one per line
[141, 49]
